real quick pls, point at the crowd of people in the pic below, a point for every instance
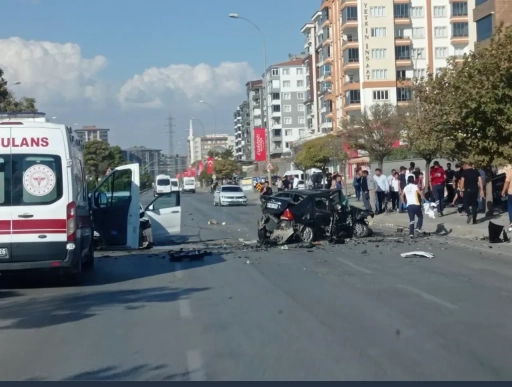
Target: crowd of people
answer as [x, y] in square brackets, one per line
[406, 190]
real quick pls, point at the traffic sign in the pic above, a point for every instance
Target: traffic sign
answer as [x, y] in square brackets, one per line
[270, 167]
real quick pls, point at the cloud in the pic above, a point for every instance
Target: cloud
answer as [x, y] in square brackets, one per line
[52, 72]
[157, 87]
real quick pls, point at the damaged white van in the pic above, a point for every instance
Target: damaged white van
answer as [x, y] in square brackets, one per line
[47, 219]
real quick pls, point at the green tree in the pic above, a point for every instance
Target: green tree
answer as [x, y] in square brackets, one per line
[99, 157]
[316, 153]
[8, 103]
[225, 169]
[375, 132]
[228, 154]
[146, 180]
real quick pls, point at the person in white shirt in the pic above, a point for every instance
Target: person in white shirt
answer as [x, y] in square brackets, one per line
[394, 190]
[381, 190]
[295, 182]
[412, 195]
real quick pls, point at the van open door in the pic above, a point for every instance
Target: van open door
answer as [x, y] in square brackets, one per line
[116, 208]
[165, 214]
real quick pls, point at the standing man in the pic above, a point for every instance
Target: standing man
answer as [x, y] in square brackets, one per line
[266, 190]
[507, 191]
[382, 189]
[403, 182]
[471, 185]
[365, 191]
[413, 195]
[450, 174]
[437, 184]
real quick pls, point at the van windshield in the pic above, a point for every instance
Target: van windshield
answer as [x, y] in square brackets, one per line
[174, 183]
[189, 181]
[163, 182]
[30, 179]
[231, 189]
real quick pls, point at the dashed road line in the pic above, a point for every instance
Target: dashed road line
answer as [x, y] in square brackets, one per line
[354, 266]
[195, 366]
[185, 311]
[178, 273]
[429, 297]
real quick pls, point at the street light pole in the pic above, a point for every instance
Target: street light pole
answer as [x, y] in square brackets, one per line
[214, 121]
[264, 87]
[201, 122]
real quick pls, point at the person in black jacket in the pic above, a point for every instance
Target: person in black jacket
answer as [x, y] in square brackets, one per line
[472, 189]
[403, 182]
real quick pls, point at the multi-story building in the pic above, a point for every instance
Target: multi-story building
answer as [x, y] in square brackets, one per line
[131, 158]
[89, 133]
[368, 52]
[285, 109]
[243, 132]
[172, 164]
[487, 15]
[150, 158]
[254, 97]
[200, 146]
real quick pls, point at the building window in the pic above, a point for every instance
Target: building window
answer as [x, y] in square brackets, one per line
[401, 75]
[275, 72]
[300, 95]
[380, 74]
[300, 83]
[459, 52]
[354, 96]
[301, 120]
[402, 11]
[484, 28]
[377, 11]
[276, 108]
[417, 12]
[403, 52]
[379, 53]
[287, 96]
[348, 14]
[403, 94]
[299, 71]
[418, 32]
[440, 32]
[460, 8]
[287, 108]
[286, 84]
[479, 2]
[440, 11]
[275, 96]
[460, 30]
[288, 120]
[381, 95]
[287, 145]
[288, 132]
[400, 33]
[419, 73]
[378, 32]
[351, 55]
[285, 71]
[300, 107]
[418, 53]
[441, 52]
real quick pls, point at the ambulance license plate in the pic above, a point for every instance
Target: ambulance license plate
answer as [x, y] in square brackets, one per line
[4, 252]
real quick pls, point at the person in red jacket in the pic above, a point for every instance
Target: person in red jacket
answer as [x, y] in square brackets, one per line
[437, 184]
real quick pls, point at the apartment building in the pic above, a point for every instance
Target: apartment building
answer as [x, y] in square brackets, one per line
[200, 146]
[243, 132]
[149, 158]
[368, 52]
[285, 95]
[254, 98]
[487, 15]
[90, 133]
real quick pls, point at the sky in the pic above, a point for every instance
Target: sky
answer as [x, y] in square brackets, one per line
[126, 65]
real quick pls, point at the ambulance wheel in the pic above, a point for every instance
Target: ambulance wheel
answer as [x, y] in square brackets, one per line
[74, 276]
[89, 263]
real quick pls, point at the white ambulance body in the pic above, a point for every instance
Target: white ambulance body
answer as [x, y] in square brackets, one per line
[45, 220]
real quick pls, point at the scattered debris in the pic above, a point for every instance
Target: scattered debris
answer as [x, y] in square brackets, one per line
[190, 255]
[422, 254]
[364, 252]
[285, 247]
[248, 262]
[223, 223]
[241, 240]
[212, 221]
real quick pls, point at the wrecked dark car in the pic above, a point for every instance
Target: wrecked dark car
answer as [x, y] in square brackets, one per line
[309, 215]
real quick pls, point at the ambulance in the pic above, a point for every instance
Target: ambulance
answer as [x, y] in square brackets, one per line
[48, 218]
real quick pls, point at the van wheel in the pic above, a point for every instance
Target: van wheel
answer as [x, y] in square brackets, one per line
[89, 263]
[74, 278]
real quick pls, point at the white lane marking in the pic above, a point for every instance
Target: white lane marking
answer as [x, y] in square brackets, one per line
[195, 366]
[354, 266]
[429, 297]
[177, 270]
[185, 311]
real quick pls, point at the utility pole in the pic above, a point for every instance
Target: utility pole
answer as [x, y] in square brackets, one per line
[170, 124]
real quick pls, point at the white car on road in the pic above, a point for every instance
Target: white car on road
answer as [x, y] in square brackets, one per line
[226, 195]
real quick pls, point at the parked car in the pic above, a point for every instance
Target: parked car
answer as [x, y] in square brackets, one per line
[227, 195]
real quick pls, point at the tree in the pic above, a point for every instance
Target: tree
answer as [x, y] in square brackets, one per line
[146, 180]
[375, 132]
[316, 153]
[99, 156]
[10, 104]
[225, 169]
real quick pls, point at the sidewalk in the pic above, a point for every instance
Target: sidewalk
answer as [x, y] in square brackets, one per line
[452, 223]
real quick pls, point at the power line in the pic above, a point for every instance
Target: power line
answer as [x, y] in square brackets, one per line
[170, 124]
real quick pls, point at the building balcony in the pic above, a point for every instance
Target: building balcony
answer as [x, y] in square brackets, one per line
[351, 42]
[459, 40]
[326, 42]
[459, 19]
[403, 41]
[403, 62]
[348, 3]
[401, 1]
[352, 104]
[349, 23]
[325, 23]
[351, 65]
[352, 85]
[403, 20]
[275, 114]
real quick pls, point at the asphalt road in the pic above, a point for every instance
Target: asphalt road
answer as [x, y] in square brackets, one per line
[349, 312]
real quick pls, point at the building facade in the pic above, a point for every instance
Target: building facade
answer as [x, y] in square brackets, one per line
[487, 15]
[255, 100]
[200, 146]
[369, 52]
[149, 158]
[243, 132]
[284, 101]
[90, 133]
[172, 164]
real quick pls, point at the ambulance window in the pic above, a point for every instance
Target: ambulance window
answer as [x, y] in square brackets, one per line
[36, 179]
[2, 180]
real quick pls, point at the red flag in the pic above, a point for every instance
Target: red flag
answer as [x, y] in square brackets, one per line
[209, 165]
[200, 167]
[178, 176]
[260, 144]
[192, 172]
[185, 173]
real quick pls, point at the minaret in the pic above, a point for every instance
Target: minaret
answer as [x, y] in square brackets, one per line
[191, 143]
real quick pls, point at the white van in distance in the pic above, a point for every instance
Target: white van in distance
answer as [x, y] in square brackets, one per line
[45, 220]
[189, 184]
[162, 185]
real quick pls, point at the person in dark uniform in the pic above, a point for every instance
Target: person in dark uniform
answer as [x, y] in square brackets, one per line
[266, 190]
[450, 174]
[457, 200]
[472, 189]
